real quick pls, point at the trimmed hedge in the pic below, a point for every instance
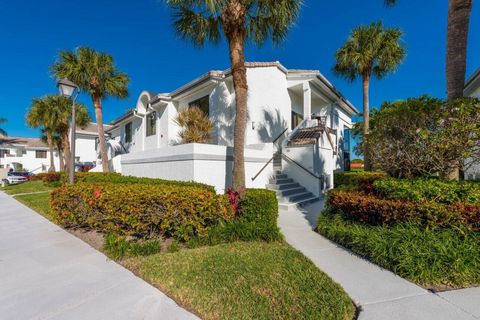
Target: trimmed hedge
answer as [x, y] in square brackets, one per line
[186, 213]
[357, 179]
[112, 177]
[428, 190]
[377, 211]
[257, 221]
[140, 210]
[433, 258]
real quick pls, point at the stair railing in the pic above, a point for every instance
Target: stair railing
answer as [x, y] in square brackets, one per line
[302, 167]
[271, 159]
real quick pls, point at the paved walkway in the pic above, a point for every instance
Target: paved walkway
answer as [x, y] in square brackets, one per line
[47, 273]
[380, 294]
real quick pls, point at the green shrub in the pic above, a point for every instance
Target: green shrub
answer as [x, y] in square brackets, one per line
[428, 190]
[430, 257]
[119, 247]
[50, 177]
[373, 210]
[112, 177]
[257, 221]
[140, 210]
[357, 179]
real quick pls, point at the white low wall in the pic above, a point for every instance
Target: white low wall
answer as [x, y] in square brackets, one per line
[210, 164]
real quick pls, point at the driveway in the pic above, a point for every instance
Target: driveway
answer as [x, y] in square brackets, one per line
[47, 273]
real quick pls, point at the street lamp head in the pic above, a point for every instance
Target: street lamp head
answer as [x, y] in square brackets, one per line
[66, 87]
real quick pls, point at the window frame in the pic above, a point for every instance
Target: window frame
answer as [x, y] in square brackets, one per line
[200, 103]
[151, 122]
[43, 152]
[296, 119]
[128, 132]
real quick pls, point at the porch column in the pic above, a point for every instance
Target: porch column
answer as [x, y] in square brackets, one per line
[307, 101]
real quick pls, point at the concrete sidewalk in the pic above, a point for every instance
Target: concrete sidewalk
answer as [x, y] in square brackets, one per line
[47, 273]
[379, 293]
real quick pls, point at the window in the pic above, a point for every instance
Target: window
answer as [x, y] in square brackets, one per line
[128, 132]
[203, 103]
[151, 124]
[296, 119]
[97, 142]
[4, 152]
[346, 148]
[41, 154]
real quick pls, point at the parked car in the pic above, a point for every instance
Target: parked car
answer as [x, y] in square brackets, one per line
[84, 166]
[16, 177]
[27, 174]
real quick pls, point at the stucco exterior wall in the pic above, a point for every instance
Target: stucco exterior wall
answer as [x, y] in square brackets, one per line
[210, 164]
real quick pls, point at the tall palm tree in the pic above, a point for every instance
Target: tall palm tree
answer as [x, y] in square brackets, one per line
[52, 114]
[45, 116]
[202, 21]
[2, 131]
[95, 73]
[370, 51]
[459, 12]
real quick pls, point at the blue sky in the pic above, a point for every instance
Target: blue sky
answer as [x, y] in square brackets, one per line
[139, 35]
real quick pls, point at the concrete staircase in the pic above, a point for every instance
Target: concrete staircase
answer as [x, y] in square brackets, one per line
[289, 192]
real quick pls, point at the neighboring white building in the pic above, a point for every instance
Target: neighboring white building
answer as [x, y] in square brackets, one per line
[472, 89]
[281, 102]
[32, 154]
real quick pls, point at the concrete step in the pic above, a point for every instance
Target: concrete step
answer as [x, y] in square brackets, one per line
[300, 196]
[280, 176]
[288, 205]
[291, 191]
[282, 181]
[275, 187]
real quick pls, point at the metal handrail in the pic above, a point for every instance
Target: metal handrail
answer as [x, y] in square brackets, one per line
[302, 167]
[263, 168]
[271, 159]
[280, 135]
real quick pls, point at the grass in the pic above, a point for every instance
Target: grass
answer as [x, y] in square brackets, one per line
[242, 280]
[37, 202]
[436, 259]
[26, 187]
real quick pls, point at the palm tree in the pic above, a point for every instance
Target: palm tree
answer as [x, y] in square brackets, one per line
[369, 51]
[459, 12]
[52, 114]
[196, 126]
[202, 21]
[95, 74]
[45, 115]
[2, 131]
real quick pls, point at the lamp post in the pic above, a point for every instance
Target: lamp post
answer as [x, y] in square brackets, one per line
[69, 89]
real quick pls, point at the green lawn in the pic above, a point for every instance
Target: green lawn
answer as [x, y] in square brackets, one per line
[252, 280]
[37, 202]
[437, 259]
[26, 187]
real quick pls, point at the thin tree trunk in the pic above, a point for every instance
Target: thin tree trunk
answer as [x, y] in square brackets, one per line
[66, 151]
[366, 122]
[233, 20]
[457, 34]
[60, 157]
[101, 134]
[50, 147]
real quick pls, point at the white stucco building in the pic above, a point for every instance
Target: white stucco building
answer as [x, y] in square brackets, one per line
[32, 154]
[280, 131]
[472, 89]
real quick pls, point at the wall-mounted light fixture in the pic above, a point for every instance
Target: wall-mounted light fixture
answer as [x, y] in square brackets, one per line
[253, 125]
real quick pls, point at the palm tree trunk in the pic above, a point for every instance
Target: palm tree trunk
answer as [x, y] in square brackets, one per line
[366, 122]
[233, 20]
[60, 157]
[459, 12]
[66, 151]
[457, 34]
[50, 147]
[101, 134]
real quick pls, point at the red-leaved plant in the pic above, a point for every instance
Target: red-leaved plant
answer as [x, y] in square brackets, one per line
[235, 198]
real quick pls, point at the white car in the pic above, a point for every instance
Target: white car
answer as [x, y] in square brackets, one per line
[15, 177]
